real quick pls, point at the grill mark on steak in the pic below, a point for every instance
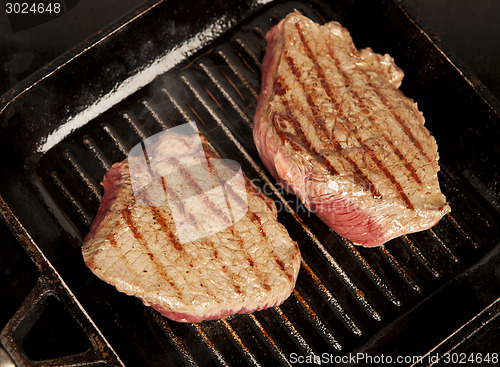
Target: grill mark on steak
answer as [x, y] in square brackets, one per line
[249, 259]
[236, 287]
[111, 239]
[320, 122]
[368, 149]
[282, 267]
[292, 120]
[380, 95]
[225, 269]
[228, 189]
[198, 190]
[177, 245]
[280, 90]
[289, 116]
[330, 93]
[322, 79]
[407, 164]
[401, 122]
[177, 200]
[166, 228]
[239, 240]
[362, 103]
[237, 237]
[395, 149]
[241, 203]
[258, 222]
[319, 126]
[386, 172]
[127, 216]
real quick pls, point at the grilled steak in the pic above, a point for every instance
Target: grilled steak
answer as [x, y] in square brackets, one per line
[155, 239]
[332, 126]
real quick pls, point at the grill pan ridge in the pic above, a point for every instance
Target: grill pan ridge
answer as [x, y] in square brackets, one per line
[347, 299]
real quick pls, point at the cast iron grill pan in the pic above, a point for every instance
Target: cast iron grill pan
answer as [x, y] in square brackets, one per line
[347, 299]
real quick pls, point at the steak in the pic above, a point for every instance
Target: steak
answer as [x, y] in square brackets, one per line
[192, 253]
[332, 126]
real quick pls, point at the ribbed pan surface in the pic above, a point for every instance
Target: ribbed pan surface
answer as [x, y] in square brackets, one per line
[345, 295]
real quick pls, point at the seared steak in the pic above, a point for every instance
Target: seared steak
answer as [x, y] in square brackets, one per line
[154, 238]
[332, 126]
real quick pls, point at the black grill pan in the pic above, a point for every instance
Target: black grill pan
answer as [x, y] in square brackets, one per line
[424, 294]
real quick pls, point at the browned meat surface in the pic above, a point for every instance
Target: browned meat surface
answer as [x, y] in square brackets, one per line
[333, 127]
[209, 262]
